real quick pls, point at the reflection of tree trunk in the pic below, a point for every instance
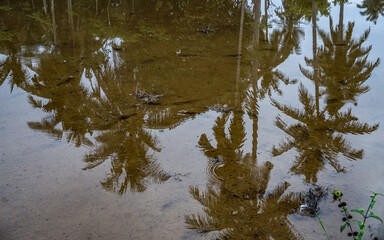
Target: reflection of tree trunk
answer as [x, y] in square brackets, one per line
[255, 128]
[256, 26]
[45, 7]
[341, 23]
[70, 15]
[241, 27]
[314, 49]
[239, 51]
[132, 12]
[70, 20]
[109, 17]
[53, 21]
[266, 5]
[256, 32]
[33, 4]
[254, 77]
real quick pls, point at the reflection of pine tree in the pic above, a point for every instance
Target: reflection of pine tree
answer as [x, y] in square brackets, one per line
[12, 69]
[127, 146]
[104, 107]
[65, 102]
[235, 203]
[266, 59]
[290, 29]
[343, 66]
[372, 9]
[123, 138]
[318, 137]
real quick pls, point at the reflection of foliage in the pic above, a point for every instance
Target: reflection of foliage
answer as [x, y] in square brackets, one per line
[304, 7]
[85, 83]
[343, 67]
[372, 9]
[123, 138]
[288, 12]
[318, 137]
[232, 217]
[268, 55]
[235, 203]
[64, 102]
[267, 58]
[290, 29]
[11, 68]
[101, 108]
[156, 33]
[46, 24]
[6, 35]
[130, 163]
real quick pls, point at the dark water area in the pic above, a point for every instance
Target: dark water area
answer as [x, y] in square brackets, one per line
[188, 119]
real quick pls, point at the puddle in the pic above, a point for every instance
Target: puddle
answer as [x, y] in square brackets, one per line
[177, 120]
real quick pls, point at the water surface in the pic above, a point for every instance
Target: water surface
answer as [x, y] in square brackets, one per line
[186, 119]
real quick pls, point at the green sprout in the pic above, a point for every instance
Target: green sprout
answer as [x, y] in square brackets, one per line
[356, 235]
[348, 220]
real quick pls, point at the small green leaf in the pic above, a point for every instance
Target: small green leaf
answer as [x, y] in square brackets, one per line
[361, 225]
[358, 211]
[359, 236]
[342, 227]
[373, 203]
[361, 233]
[376, 217]
[375, 193]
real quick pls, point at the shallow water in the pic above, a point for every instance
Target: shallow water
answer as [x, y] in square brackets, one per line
[181, 120]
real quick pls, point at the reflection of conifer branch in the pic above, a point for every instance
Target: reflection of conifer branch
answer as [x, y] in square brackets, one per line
[47, 126]
[317, 137]
[35, 103]
[347, 123]
[372, 9]
[155, 171]
[94, 159]
[202, 224]
[207, 199]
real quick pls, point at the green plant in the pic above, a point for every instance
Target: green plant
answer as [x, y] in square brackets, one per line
[322, 226]
[356, 235]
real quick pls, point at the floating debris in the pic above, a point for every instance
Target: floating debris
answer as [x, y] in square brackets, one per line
[220, 108]
[205, 31]
[124, 117]
[233, 55]
[186, 112]
[177, 176]
[149, 98]
[311, 199]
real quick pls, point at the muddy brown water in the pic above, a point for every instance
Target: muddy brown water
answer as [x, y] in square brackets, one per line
[187, 120]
